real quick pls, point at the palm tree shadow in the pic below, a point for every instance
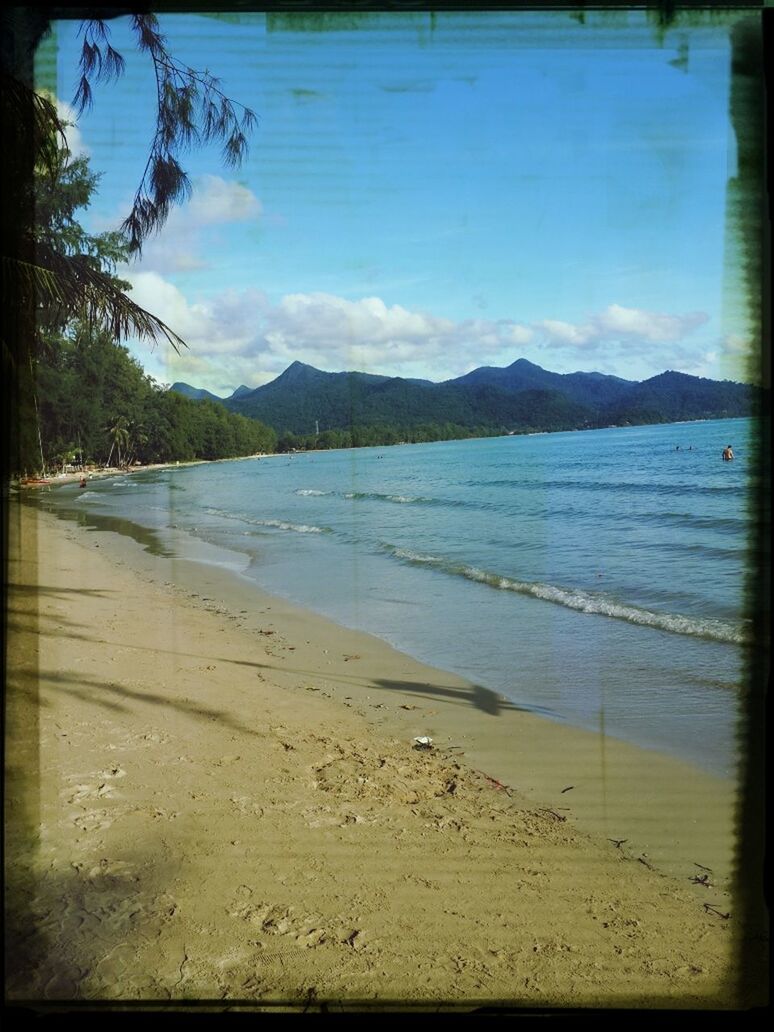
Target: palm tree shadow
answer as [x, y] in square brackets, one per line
[483, 699]
[114, 697]
[47, 955]
[45, 589]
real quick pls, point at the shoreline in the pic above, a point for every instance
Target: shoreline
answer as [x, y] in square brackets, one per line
[352, 693]
[624, 784]
[68, 478]
[58, 479]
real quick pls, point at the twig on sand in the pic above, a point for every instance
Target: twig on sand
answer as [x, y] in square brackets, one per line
[703, 868]
[496, 783]
[712, 908]
[554, 814]
[643, 860]
[566, 789]
[702, 879]
[618, 842]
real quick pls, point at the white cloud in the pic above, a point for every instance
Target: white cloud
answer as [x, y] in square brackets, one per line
[656, 327]
[327, 319]
[242, 337]
[517, 334]
[214, 200]
[617, 323]
[182, 243]
[225, 324]
[565, 333]
[256, 340]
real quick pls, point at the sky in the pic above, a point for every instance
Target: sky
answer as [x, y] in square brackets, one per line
[427, 194]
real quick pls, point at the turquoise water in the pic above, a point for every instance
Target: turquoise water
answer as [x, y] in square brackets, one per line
[596, 577]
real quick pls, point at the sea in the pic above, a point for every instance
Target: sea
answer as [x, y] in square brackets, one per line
[597, 578]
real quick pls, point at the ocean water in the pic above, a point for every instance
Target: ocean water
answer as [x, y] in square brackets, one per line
[595, 577]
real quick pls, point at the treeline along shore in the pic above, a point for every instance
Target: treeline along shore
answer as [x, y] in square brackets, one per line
[309, 408]
[90, 403]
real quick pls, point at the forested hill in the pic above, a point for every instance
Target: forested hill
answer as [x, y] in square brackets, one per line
[96, 405]
[194, 393]
[520, 397]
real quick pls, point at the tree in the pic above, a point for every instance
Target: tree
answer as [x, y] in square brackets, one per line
[191, 108]
[119, 434]
[52, 273]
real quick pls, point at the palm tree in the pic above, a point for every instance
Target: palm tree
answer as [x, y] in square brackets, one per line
[119, 432]
[137, 438]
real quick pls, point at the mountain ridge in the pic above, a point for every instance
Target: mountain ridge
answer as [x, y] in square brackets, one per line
[516, 398]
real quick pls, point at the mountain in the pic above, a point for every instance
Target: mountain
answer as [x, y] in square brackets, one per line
[583, 388]
[303, 398]
[241, 389]
[521, 396]
[195, 393]
[672, 397]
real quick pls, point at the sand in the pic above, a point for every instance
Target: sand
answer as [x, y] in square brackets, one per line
[213, 795]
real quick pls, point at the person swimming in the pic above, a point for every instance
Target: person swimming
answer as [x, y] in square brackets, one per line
[728, 453]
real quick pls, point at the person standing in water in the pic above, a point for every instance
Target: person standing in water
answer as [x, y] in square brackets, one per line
[728, 453]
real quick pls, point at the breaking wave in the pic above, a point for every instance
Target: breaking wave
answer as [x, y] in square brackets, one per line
[581, 601]
[299, 528]
[400, 499]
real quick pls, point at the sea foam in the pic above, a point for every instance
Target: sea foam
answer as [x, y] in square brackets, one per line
[581, 601]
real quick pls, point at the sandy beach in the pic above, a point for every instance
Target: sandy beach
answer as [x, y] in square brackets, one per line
[213, 795]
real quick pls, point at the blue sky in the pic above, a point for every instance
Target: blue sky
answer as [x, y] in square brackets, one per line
[423, 196]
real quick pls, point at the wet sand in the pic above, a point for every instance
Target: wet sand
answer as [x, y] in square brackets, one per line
[214, 795]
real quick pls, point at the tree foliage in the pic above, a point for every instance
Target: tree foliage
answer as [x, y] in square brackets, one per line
[59, 272]
[47, 266]
[53, 272]
[96, 405]
[190, 109]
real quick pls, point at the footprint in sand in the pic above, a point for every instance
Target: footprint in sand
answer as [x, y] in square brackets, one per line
[274, 919]
[152, 737]
[83, 792]
[99, 789]
[96, 820]
[110, 870]
[245, 805]
[156, 813]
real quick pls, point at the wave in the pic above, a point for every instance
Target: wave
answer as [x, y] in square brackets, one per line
[610, 487]
[395, 499]
[696, 550]
[299, 528]
[581, 601]
[378, 496]
[725, 524]
[82, 497]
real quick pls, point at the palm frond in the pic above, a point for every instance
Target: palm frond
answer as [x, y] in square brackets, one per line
[62, 287]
